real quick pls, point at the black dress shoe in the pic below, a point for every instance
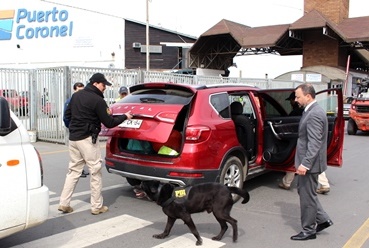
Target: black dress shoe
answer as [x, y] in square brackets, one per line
[324, 225]
[303, 236]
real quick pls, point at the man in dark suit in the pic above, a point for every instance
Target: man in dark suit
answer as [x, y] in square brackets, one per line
[310, 161]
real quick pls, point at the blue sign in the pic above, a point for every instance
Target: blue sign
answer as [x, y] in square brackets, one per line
[49, 24]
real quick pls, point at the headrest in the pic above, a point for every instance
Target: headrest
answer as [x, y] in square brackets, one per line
[236, 108]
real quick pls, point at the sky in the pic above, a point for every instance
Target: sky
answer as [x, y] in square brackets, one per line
[194, 17]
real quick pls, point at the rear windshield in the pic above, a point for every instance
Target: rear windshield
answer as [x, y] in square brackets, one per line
[162, 96]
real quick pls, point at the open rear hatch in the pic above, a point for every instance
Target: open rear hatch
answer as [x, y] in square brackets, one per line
[156, 107]
[151, 123]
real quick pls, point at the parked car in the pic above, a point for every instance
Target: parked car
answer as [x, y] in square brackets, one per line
[24, 102]
[12, 97]
[24, 197]
[359, 111]
[17, 102]
[346, 107]
[219, 133]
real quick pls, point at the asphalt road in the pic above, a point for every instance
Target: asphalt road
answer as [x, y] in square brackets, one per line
[268, 220]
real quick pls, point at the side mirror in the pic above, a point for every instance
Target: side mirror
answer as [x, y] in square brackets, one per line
[5, 120]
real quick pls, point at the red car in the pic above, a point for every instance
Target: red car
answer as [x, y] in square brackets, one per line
[13, 99]
[186, 134]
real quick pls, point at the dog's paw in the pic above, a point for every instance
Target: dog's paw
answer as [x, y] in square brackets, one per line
[199, 242]
[159, 236]
[216, 238]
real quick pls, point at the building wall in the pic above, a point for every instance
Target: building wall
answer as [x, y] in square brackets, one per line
[334, 10]
[319, 49]
[168, 59]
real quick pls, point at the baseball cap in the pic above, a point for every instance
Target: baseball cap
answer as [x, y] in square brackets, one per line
[123, 89]
[292, 96]
[99, 78]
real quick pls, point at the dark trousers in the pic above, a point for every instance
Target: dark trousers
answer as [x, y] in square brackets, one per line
[312, 212]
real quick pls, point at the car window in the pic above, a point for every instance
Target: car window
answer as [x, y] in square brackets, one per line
[275, 104]
[162, 96]
[221, 103]
[349, 100]
[328, 102]
[9, 93]
[248, 109]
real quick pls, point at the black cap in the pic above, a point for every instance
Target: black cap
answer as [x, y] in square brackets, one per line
[123, 89]
[99, 78]
[292, 96]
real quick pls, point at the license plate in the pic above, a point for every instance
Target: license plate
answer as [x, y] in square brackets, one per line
[131, 123]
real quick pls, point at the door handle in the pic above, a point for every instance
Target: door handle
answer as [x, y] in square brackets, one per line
[273, 131]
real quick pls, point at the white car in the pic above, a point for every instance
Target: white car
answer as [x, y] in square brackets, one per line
[24, 197]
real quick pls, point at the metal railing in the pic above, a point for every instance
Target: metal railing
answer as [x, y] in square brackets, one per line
[39, 94]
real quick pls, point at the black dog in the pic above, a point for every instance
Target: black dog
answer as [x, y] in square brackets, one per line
[181, 203]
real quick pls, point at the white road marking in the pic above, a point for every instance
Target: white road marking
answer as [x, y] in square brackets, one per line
[91, 234]
[188, 240]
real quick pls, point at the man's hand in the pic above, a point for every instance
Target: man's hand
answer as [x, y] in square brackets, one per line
[129, 115]
[301, 170]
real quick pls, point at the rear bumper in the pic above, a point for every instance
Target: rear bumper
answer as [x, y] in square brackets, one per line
[38, 206]
[145, 173]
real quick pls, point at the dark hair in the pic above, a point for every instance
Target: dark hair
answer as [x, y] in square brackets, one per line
[78, 85]
[307, 89]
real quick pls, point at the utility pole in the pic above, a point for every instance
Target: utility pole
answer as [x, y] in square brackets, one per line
[147, 37]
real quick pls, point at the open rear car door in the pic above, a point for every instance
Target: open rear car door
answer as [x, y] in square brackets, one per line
[281, 130]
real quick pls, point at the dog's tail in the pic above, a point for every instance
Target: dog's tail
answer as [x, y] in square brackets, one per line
[241, 192]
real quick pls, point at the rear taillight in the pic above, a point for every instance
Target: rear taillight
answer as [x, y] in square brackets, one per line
[41, 168]
[197, 133]
[167, 117]
[184, 174]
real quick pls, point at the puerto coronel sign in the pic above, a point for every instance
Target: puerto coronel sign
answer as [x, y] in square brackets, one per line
[22, 24]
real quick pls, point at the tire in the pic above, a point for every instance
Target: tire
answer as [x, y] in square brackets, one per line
[132, 181]
[232, 175]
[351, 127]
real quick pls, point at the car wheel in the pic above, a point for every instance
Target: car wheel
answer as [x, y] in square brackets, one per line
[232, 175]
[351, 127]
[133, 182]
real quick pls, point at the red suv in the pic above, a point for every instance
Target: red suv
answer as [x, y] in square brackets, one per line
[17, 103]
[186, 134]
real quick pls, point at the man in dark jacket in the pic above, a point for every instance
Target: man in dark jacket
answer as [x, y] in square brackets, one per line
[76, 87]
[86, 111]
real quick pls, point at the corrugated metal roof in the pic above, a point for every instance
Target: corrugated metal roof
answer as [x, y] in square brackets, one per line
[264, 36]
[350, 30]
[287, 39]
[355, 29]
[236, 30]
[313, 19]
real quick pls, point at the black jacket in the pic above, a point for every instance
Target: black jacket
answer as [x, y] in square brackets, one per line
[87, 110]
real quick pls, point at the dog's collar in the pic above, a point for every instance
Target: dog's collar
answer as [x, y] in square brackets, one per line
[167, 202]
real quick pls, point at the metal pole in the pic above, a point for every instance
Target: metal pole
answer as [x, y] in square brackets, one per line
[347, 75]
[147, 37]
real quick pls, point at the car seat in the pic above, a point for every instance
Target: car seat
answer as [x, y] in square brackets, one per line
[243, 128]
